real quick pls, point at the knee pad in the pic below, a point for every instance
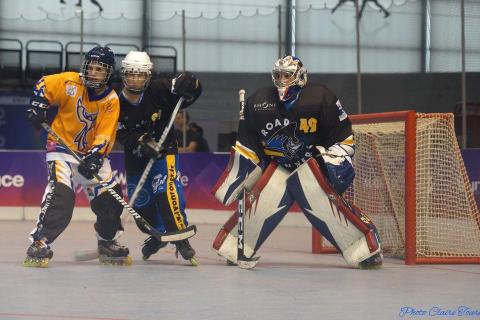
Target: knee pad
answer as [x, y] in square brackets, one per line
[344, 225]
[266, 205]
[108, 211]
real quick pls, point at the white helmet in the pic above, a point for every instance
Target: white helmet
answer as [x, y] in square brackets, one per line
[136, 63]
[288, 72]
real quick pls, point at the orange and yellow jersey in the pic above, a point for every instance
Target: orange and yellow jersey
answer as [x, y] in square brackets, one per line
[84, 119]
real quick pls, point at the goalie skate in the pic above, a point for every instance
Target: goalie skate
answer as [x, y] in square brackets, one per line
[374, 262]
[247, 263]
[111, 253]
[38, 255]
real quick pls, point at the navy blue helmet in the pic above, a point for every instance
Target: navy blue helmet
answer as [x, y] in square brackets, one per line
[97, 67]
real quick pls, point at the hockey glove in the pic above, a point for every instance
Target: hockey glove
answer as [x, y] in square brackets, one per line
[148, 146]
[338, 165]
[187, 86]
[92, 162]
[37, 112]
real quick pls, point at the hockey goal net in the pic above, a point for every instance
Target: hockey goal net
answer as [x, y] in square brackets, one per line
[411, 181]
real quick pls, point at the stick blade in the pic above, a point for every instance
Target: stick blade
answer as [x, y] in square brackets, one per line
[186, 233]
[85, 255]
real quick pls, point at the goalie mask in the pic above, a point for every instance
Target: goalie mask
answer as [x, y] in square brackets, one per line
[289, 76]
[136, 71]
[97, 67]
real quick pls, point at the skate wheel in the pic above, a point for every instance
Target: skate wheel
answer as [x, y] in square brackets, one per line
[115, 261]
[193, 262]
[128, 261]
[35, 263]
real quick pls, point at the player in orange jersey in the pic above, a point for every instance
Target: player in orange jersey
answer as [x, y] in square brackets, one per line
[88, 111]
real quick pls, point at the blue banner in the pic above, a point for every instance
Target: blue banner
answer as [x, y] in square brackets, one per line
[471, 157]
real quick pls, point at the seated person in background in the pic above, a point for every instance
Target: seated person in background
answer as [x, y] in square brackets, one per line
[192, 141]
[203, 143]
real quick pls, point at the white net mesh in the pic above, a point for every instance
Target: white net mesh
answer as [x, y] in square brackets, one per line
[447, 217]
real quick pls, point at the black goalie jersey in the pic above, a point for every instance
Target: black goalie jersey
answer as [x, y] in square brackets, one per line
[268, 131]
[151, 114]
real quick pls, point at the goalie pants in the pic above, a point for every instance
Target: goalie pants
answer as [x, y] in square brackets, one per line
[59, 199]
[161, 200]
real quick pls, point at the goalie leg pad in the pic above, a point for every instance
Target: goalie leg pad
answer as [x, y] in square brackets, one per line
[265, 207]
[241, 173]
[225, 243]
[344, 225]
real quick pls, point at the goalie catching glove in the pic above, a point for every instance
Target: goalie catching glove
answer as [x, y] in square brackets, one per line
[92, 162]
[37, 112]
[148, 147]
[338, 164]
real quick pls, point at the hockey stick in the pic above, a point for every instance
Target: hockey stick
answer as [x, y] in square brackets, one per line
[242, 261]
[86, 255]
[150, 163]
[164, 237]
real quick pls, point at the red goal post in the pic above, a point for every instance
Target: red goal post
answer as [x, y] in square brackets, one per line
[411, 181]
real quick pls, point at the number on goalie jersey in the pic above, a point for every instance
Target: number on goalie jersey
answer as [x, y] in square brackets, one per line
[146, 108]
[290, 128]
[86, 121]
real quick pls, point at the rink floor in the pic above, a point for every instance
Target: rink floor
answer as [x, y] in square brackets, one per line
[288, 283]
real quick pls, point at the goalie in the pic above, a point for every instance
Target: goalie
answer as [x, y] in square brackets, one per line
[294, 143]
[146, 107]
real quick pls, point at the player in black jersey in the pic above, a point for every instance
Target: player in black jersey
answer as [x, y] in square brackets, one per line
[295, 144]
[146, 108]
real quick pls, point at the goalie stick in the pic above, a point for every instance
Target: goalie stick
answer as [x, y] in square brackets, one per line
[242, 261]
[164, 237]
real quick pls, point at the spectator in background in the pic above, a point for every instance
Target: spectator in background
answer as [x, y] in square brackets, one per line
[203, 145]
[193, 141]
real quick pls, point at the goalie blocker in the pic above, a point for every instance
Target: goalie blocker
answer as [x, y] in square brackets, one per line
[344, 225]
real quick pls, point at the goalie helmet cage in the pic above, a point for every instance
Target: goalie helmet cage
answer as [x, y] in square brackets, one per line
[411, 181]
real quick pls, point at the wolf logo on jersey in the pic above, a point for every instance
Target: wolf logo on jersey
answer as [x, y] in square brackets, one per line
[87, 119]
[284, 143]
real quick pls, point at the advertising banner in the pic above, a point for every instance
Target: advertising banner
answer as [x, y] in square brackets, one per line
[23, 177]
